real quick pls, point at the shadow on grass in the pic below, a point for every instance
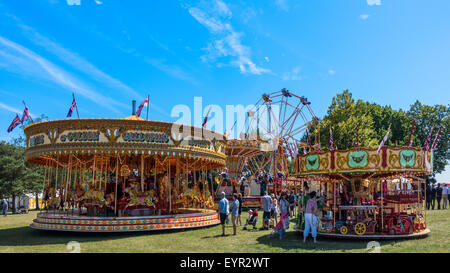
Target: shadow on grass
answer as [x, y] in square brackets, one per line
[26, 236]
[293, 240]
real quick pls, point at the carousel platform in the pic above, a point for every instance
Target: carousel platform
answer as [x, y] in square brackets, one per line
[415, 235]
[186, 218]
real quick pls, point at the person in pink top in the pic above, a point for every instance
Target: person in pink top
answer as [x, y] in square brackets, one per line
[311, 217]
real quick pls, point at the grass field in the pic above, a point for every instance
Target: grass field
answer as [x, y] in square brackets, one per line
[17, 236]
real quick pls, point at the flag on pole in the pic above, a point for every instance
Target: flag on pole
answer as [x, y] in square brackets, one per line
[141, 106]
[436, 139]
[357, 135]
[384, 139]
[331, 140]
[206, 119]
[14, 123]
[26, 114]
[427, 141]
[72, 107]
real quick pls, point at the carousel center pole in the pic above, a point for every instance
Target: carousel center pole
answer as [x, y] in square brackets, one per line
[142, 173]
[117, 180]
[382, 204]
[170, 189]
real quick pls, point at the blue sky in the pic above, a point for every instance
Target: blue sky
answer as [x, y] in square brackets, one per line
[229, 52]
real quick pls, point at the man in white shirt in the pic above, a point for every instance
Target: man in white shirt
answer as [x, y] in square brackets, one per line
[445, 193]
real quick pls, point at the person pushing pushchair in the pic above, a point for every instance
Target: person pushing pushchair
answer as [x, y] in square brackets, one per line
[252, 219]
[282, 225]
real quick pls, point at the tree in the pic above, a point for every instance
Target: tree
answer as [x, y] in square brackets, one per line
[344, 113]
[432, 116]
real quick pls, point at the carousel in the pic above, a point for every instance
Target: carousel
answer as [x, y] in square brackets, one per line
[118, 175]
[241, 168]
[365, 193]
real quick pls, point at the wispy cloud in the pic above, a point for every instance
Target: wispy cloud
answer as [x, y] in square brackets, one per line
[171, 70]
[74, 60]
[11, 109]
[293, 75]
[364, 16]
[19, 59]
[331, 72]
[374, 2]
[282, 4]
[226, 41]
[73, 2]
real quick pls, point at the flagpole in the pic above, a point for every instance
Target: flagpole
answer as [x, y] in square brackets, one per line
[148, 104]
[410, 133]
[76, 105]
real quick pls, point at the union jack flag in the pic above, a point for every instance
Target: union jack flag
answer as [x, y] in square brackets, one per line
[26, 114]
[14, 123]
[141, 106]
[206, 119]
[72, 107]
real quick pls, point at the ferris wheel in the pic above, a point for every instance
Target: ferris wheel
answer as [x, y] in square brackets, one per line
[280, 119]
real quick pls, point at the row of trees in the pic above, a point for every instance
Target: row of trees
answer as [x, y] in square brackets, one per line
[344, 113]
[17, 177]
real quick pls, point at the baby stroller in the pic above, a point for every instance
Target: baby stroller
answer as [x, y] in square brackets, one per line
[282, 225]
[252, 219]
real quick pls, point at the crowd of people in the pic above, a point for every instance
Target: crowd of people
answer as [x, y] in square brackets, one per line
[285, 205]
[436, 194]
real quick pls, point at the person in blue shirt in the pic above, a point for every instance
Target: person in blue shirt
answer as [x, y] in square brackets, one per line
[234, 207]
[223, 211]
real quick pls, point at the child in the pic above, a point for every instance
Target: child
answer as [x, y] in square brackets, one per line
[252, 219]
[280, 228]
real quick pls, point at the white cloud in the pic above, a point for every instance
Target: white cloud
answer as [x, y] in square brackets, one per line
[293, 75]
[73, 2]
[364, 16]
[374, 2]
[98, 2]
[227, 42]
[267, 59]
[18, 59]
[331, 72]
[282, 4]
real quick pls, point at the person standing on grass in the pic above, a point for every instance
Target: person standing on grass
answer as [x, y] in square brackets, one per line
[4, 207]
[311, 217]
[223, 211]
[274, 209]
[284, 204]
[267, 202]
[291, 203]
[234, 207]
[428, 196]
[240, 208]
[439, 196]
[444, 196]
[433, 197]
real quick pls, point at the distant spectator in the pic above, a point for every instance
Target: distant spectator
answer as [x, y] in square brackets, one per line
[291, 200]
[274, 209]
[433, 197]
[444, 196]
[267, 203]
[4, 207]
[234, 207]
[240, 208]
[284, 204]
[429, 193]
[439, 196]
[223, 212]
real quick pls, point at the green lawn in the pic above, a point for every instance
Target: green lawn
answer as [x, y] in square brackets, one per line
[17, 236]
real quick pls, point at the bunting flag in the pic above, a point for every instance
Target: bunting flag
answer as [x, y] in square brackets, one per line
[141, 106]
[384, 139]
[14, 123]
[436, 139]
[26, 114]
[410, 133]
[206, 119]
[72, 107]
[427, 141]
[331, 140]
